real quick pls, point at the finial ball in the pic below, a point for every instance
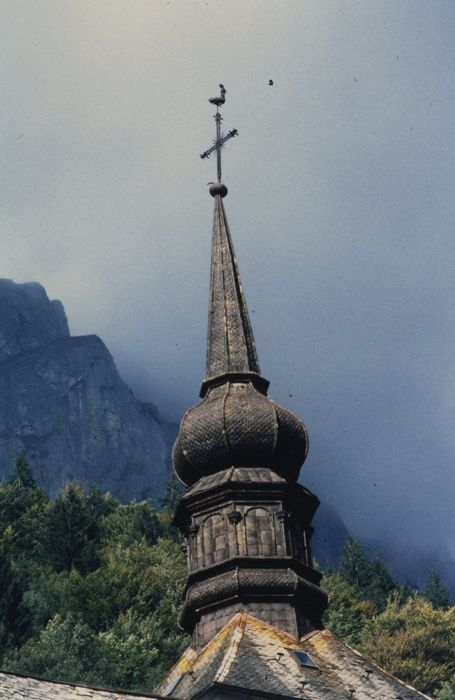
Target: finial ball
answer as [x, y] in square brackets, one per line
[218, 188]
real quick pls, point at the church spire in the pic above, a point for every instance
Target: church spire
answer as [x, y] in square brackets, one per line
[230, 342]
[236, 423]
[246, 522]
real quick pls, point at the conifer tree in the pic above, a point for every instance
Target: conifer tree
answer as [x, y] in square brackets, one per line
[22, 509]
[172, 494]
[381, 584]
[354, 566]
[69, 525]
[435, 592]
[371, 579]
[11, 611]
[22, 475]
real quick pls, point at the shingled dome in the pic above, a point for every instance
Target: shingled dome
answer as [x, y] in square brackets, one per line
[236, 423]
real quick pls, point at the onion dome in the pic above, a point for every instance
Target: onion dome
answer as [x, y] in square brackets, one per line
[236, 423]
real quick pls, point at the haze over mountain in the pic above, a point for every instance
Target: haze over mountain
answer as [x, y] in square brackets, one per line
[64, 406]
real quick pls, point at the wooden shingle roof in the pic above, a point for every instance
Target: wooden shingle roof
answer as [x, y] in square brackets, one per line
[258, 658]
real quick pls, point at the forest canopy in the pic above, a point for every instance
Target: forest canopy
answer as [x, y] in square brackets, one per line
[91, 589]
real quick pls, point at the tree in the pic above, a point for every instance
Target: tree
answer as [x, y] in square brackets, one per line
[71, 525]
[380, 585]
[169, 503]
[22, 475]
[413, 641]
[173, 493]
[447, 691]
[131, 522]
[12, 618]
[22, 510]
[346, 615]
[435, 592]
[65, 650]
[114, 626]
[354, 566]
[371, 579]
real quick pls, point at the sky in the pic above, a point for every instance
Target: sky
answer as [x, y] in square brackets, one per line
[341, 206]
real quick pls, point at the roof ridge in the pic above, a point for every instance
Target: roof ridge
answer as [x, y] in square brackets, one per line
[270, 628]
[311, 634]
[231, 651]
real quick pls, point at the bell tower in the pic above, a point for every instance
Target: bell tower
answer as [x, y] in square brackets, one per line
[246, 522]
[253, 601]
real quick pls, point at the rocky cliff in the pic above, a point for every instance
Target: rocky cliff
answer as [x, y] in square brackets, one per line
[64, 405]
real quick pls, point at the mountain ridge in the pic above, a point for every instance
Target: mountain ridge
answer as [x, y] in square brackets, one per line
[64, 405]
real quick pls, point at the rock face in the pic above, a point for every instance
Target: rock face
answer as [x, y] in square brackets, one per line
[64, 405]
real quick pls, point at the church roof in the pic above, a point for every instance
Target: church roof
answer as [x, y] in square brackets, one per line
[253, 656]
[17, 685]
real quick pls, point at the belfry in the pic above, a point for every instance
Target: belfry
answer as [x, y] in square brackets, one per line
[253, 602]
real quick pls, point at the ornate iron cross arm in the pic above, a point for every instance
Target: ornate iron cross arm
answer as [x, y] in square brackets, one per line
[219, 143]
[221, 139]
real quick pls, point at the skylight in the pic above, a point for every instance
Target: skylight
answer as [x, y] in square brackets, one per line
[303, 658]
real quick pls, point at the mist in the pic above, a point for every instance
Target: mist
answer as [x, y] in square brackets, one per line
[340, 205]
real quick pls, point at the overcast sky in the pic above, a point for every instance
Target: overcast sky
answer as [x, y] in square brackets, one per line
[341, 205]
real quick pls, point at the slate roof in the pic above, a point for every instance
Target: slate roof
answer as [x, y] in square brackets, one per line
[252, 655]
[15, 686]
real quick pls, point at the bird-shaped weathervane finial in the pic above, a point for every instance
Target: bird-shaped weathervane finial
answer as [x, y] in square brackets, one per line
[218, 101]
[219, 188]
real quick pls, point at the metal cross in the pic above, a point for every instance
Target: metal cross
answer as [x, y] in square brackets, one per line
[221, 139]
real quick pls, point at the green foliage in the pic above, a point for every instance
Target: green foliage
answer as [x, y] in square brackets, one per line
[64, 649]
[381, 584]
[22, 476]
[435, 592]
[370, 579]
[347, 614]
[22, 511]
[130, 523]
[172, 494]
[11, 606]
[169, 503]
[91, 588]
[354, 565]
[409, 635]
[414, 641]
[72, 529]
[447, 691]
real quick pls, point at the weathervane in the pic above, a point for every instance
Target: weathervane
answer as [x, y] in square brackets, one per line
[220, 140]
